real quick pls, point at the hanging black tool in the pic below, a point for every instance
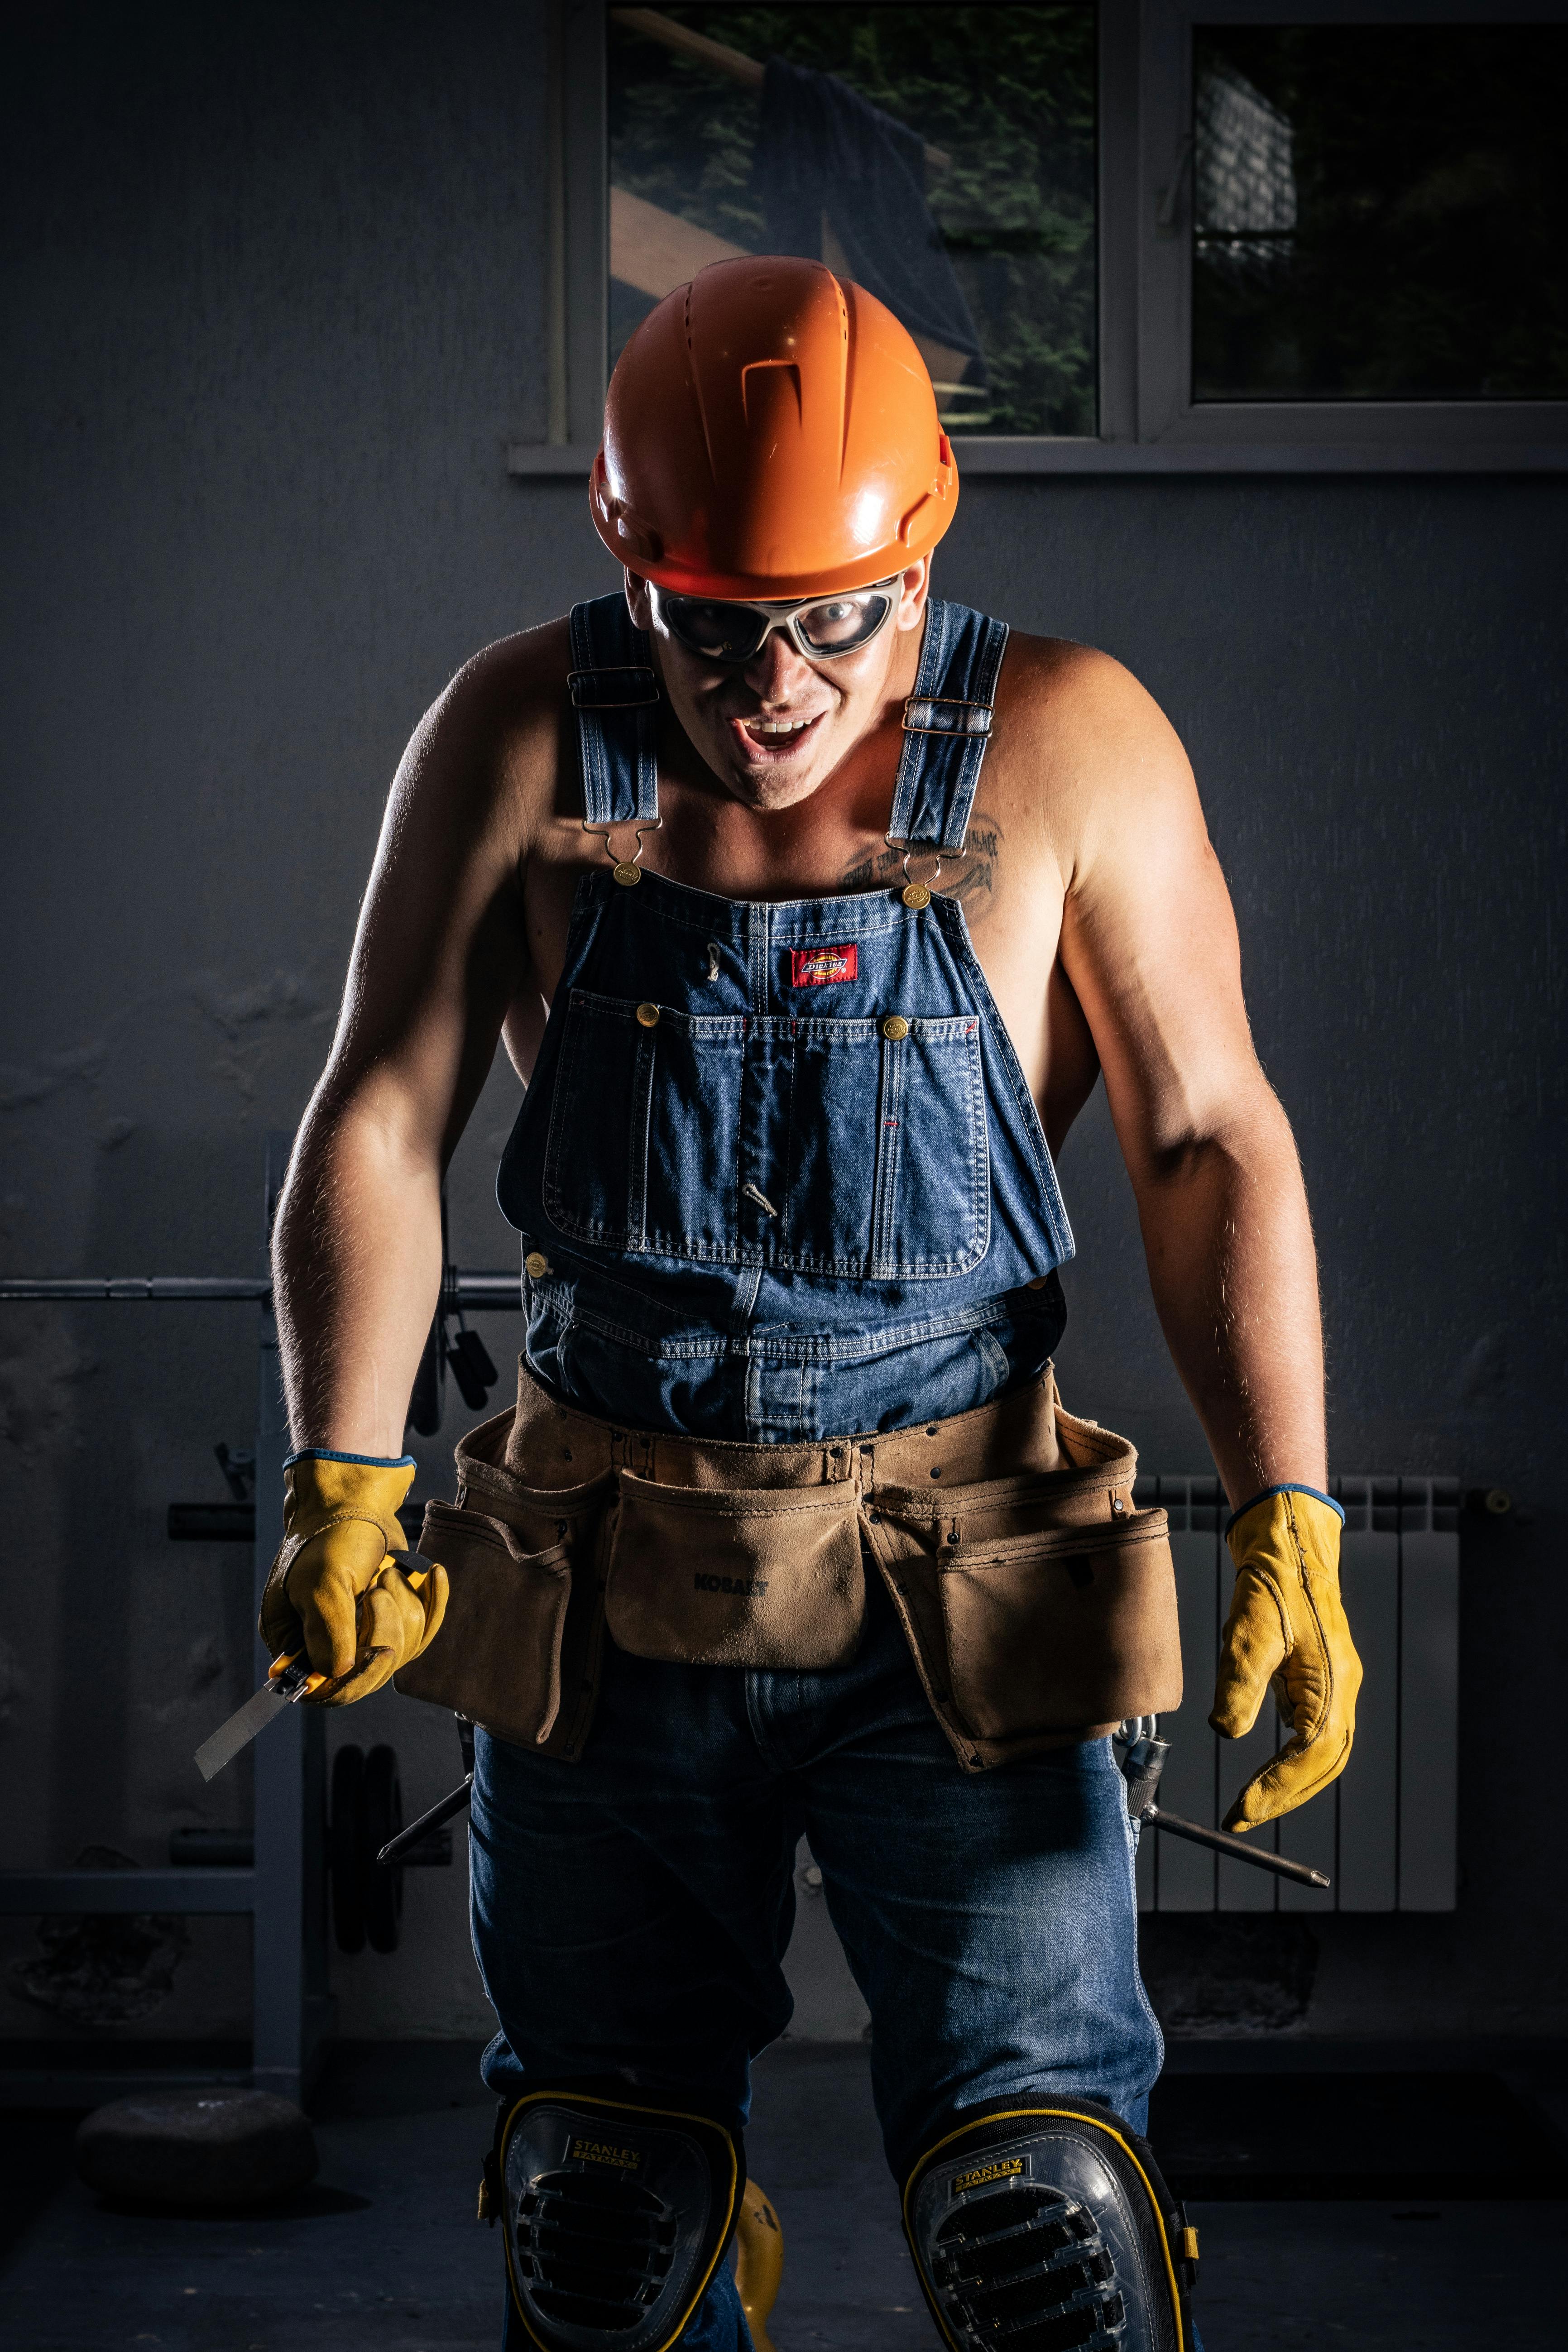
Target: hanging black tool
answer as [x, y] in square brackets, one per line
[472, 1366]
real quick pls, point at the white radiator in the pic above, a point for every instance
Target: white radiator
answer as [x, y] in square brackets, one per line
[1385, 1832]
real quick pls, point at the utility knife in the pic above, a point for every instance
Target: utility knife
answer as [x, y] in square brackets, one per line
[288, 1680]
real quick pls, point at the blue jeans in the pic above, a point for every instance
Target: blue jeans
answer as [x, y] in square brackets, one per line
[631, 1912]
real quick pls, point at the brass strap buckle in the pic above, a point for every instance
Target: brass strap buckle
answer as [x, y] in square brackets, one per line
[627, 870]
[910, 849]
[923, 716]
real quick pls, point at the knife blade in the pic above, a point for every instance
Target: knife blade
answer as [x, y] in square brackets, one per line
[289, 1679]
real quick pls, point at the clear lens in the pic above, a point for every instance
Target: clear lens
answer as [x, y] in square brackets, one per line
[718, 631]
[841, 624]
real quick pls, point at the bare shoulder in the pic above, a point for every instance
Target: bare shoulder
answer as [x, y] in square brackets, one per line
[484, 759]
[1090, 751]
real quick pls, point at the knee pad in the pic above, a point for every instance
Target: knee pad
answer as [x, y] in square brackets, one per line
[1041, 2224]
[615, 2212]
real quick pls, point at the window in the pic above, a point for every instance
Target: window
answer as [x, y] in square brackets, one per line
[1127, 235]
[1358, 248]
[1378, 212]
[944, 157]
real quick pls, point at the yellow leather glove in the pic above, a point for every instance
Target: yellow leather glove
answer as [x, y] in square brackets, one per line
[333, 1585]
[1286, 1630]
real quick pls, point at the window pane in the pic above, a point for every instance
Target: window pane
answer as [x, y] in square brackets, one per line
[1380, 212]
[943, 158]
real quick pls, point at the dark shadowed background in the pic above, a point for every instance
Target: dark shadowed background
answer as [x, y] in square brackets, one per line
[274, 309]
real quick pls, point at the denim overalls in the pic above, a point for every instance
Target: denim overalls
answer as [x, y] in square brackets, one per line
[778, 1172]
[779, 1176]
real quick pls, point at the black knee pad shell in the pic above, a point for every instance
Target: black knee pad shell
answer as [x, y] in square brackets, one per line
[617, 2211]
[1041, 2224]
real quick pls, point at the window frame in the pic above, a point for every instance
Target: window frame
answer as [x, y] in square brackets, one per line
[1167, 412]
[1149, 421]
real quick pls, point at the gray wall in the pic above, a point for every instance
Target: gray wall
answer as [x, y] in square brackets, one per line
[273, 310]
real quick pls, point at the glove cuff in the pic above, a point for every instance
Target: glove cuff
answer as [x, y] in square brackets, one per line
[1317, 1516]
[321, 1489]
[1265, 1495]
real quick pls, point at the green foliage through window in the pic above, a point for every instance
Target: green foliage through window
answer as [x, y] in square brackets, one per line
[1007, 97]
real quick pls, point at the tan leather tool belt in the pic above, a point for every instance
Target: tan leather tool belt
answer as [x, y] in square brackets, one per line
[1038, 1604]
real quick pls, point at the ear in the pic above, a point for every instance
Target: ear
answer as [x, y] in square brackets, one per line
[916, 587]
[639, 605]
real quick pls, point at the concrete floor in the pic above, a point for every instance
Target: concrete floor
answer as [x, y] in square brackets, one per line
[381, 2253]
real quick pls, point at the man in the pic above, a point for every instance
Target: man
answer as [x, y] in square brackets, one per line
[812, 909]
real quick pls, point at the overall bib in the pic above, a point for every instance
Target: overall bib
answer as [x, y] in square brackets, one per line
[778, 1172]
[779, 1178]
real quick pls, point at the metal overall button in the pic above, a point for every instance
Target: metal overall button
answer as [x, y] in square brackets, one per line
[649, 1015]
[894, 1027]
[536, 1265]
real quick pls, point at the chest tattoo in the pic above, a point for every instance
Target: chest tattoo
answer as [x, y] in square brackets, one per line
[970, 877]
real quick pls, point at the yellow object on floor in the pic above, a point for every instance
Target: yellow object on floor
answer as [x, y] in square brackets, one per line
[759, 2263]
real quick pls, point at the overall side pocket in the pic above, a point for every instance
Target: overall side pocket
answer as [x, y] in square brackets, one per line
[770, 1577]
[497, 1658]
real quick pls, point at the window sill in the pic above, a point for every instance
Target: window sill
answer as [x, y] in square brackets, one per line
[978, 456]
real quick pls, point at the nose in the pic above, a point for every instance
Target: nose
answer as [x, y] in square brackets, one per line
[777, 675]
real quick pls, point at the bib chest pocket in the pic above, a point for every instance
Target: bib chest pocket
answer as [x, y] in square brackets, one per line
[849, 1148]
[645, 1129]
[889, 1168]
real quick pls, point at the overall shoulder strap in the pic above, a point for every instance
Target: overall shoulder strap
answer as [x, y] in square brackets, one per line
[615, 692]
[947, 726]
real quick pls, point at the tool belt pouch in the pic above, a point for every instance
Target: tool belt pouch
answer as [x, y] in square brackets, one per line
[518, 1651]
[1040, 1608]
[730, 1578]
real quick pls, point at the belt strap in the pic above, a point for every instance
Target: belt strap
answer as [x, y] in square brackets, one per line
[546, 1444]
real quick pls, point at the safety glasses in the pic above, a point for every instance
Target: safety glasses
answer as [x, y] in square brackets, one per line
[818, 627]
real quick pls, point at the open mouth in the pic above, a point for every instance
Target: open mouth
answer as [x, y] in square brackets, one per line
[773, 738]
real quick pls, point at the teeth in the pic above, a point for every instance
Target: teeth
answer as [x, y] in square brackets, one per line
[775, 726]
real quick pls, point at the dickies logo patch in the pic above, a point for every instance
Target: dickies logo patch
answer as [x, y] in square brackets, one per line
[819, 967]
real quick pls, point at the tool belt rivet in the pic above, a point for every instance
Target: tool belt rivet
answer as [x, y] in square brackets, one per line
[649, 1015]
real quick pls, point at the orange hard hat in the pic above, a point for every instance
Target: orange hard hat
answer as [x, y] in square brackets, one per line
[770, 432]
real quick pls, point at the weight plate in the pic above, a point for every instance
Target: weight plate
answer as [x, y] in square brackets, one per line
[346, 1849]
[383, 1819]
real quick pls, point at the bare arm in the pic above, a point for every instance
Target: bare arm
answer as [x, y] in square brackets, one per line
[440, 956]
[1149, 943]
